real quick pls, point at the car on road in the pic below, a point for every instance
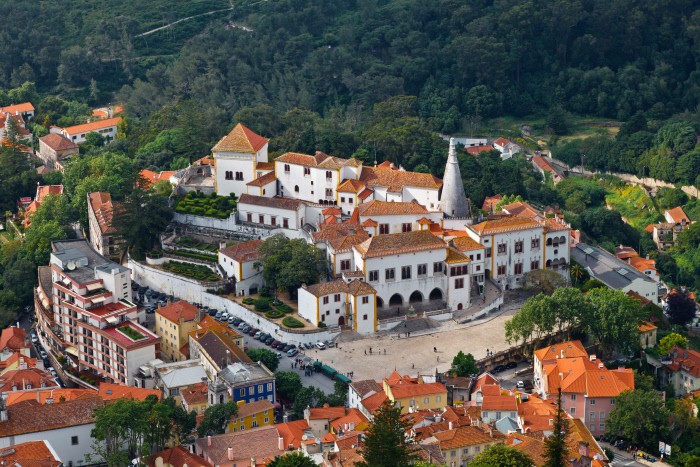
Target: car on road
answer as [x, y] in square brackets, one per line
[320, 345]
[498, 369]
[257, 335]
[292, 352]
[520, 385]
[269, 340]
[511, 365]
[278, 355]
[43, 355]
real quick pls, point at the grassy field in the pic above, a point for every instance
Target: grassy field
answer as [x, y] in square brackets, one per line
[634, 204]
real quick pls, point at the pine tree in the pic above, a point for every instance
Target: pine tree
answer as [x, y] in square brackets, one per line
[555, 446]
[386, 444]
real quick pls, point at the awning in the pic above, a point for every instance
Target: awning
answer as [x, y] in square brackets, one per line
[97, 300]
[112, 319]
[72, 351]
[95, 286]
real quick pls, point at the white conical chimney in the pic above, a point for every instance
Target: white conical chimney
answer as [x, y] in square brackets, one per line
[453, 202]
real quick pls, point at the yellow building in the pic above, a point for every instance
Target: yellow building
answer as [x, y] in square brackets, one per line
[647, 335]
[174, 322]
[195, 398]
[407, 392]
[252, 415]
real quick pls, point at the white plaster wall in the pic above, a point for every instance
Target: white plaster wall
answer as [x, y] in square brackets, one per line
[307, 305]
[269, 190]
[234, 162]
[362, 326]
[427, 197]
[294, 217]
[396, 222]
[138, 357]
[646, 289]
[60, 440]
[312, 187]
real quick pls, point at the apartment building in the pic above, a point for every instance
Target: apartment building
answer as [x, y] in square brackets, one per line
[174, 322]
[88, 315]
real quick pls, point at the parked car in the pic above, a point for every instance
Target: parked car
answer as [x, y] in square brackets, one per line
[511, 365]
[257, 335]
[218, 314]
[278, 355]
[230, 320]
[320, 345]
[134, 286]
[224, 316]
[43, 355]
[498, 369]
[274, 343]
[309, 346]
[241, 324]
[237, 321]
[245, 329]
[212, 311]
[520, 385]
[269, 340]
[292, 352]
[252, 331]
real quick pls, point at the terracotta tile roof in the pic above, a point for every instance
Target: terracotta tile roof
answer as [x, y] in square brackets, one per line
[92, 126]
[509, 224]
[646, 327]
[402, 391]
[32, 417]
[13, 338]
[349, 241]
[490, 390]
[265, 166]
[351, 186]
[326, 412]
[642, 264]
[149, 177]
[240, 139]
[22, 108]
[400, 243]
[578, 432]
[686, 360]
[353, 419]
[466, 243]
[30, 454]
[624, 252]
[197, 393]
[580, 375]
[177, 457]
[501, 141]
[499, 403]
[476, 150]
[372, 403]
[177, 310]
[364, 387]
[209, 323]
[26, 378]
[206, 160]
[47, 190]
[383, 208]
[365, 194]
[464, 436]
[58, 142]
[395, 180]
[292, 432]
[454, 257]
[332, 211]
[678, 215]
[110, 392]
[482, 380]
[542, 163]
[101, 204]
[287, 204]
[342, 229]
[570, 348]
[533, 447]
[243, 252]
[649, 228]
[639, 298]
[491, 201]
[252, 408]
[355, 287]
[261, 443]
[520, 209]
[215, 343]
[263, 180]
[18, 360]
[55, 395]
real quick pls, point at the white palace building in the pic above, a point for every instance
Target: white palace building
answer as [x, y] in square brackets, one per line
[393, 238]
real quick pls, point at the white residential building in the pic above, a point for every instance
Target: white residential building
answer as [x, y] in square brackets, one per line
[237, 157]
[275, 213]
[240, 261]
[382, 217]
[77, 134]
[338, 303]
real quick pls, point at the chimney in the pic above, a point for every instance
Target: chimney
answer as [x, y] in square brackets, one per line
[592, 357]
[230, 453]
[450, 426]
[601, 366]
[563, 353]
[280, 443]
[159, 462]
[490, 431]
[209, 440]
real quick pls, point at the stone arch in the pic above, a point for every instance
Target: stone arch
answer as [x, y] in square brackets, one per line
[396, 300]
[549, 242]
[562, 240]
[380, 302]
[549, 263]
[435, 294]
[416, 297]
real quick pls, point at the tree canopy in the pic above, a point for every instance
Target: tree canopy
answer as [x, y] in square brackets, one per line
[387, 443]
[464, 365]
[502, 456]
[216, 418]
[289, 263]
[639, 417]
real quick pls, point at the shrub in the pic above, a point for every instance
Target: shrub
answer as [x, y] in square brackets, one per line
[292, 322]
[284, 308]
[262, 304]
[274, 314]
[193, 271]
[248, 301]
[322, 325]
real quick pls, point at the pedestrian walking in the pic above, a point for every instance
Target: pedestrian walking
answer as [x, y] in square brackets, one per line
[365, 351]
[384, 351]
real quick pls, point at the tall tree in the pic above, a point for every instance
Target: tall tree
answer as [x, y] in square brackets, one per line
[288, 384]
[681, 307]
[502, 456]
[387, 444]
[640, 417]
[141, 219]
[289, 263]
[216, 418]
[613, 320]
[464, 365]
[292, 459]
[556, 451]
[266, 356]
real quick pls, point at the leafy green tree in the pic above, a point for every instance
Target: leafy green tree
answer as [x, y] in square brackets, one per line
[293, 459]
[266, 356]
[20, 277]
[681, 307]
[558, 120]
[640, 417]
[289, 263]
[613, 320]
[288, 384]
[93, 140]
[577, 273]
[543, 281]
[307, 397]
[140, 220]
[668, 198]
[37, 241]
[502, 456]
[9, 307]
[216, 418]
[672, 340]
[464, 365]
[556, 449]
[119, 432]
[387, 443]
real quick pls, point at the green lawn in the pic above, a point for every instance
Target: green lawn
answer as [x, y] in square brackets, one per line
[633, 203]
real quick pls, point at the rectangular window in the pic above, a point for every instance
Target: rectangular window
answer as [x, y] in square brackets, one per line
[273, 220]
[478, 256]
[592, 401]
[437, 267]
[249, 217]
[406, 227]
[591, 416]
[329, 174]
[336, 297]
[365, 300]
[285, 223]
[602, 426]
[502, 248]
[74, 440]
[573, 397]
[239, 175]
[383, 229]
[518, 268]
[519, 246]
[459, 283]
[405, 272]
[307, 171]
[364, 317]
[344, 264]
[261, 219]
[260, 388]
[329, 192]
[573, 410]
[535, 264]
[229, 175]
[286, 168]
[373, 276]
[535, 243]
[422, 270]
[326, 300]
[501, 270]
[389, 274]
[342, 199]
[488, 252]
[602, 416]
[269, 388]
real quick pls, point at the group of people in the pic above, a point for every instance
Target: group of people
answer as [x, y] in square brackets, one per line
[379, 351]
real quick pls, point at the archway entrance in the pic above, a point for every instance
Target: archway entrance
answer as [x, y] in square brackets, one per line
[341, 321]
[436, 294]
[396, 300]
[380, 303]
[416, 297]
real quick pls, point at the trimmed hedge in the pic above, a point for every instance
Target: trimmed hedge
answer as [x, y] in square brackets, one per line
[284, 308]
[219, 207]
[248, 301]
[193, 271]
[274, 314]
[262, 304]
[292, 322]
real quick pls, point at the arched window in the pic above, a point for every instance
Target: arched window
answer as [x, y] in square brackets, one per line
[296, 188]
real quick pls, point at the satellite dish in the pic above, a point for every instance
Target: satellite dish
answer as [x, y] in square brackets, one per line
[70, 265]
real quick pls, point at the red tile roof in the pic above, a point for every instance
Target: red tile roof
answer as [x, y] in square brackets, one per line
[402, 391]
[490, 202]
[243, 252]
[476, 150]
[483, 380]
[26, 378]
[543, 164]
[58, 142]
[570, 349]
[509, 224]
[177, 457]
[240, 139]
[287, 204]
[101, 204]
[15, 108]
[499, 403]
[263, 180]
[383, 208]
[177, 310]
[501, 141]
[292, 432]
[150, 178]
[400, 243]
[678, 215]
[465, 436]
[54, 395]
[351, 186]
[110, 392]
[197, 393]
[92, 126]
[30, 454]
[373, 402]
[395, 180]
[13, 338]
[686, 360]
[32, 417]
[252, 408]
[326, 412]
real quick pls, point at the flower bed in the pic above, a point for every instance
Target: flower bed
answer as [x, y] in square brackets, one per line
[274, 314]
[193, 271]
[199, 204]
[292, 322]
